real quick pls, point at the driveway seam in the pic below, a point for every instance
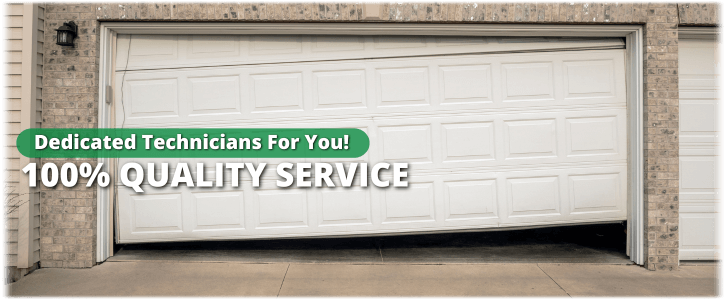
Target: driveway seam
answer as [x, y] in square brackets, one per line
[548, 275]
[283, 280]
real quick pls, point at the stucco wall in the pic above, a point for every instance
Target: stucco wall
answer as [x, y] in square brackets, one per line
[71, 98]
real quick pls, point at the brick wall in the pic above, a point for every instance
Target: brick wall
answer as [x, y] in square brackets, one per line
[70, 100]
[661, 135]
[71, 89]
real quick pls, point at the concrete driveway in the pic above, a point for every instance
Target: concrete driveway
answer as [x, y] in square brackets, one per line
[378, 279]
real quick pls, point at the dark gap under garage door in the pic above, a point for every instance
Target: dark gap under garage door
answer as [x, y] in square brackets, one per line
[603, 243]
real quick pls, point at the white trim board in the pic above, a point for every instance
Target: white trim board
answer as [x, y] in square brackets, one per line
[634, 69]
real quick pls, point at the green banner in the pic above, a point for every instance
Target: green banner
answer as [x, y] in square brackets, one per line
[194, 142]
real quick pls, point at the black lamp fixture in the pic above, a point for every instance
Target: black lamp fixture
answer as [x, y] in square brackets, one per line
[67, 33]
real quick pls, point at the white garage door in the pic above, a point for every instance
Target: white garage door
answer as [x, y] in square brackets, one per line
[698, 74]
[499, 132]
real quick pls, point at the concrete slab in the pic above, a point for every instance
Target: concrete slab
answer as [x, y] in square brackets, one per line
[154, 279]
[243, 279]
[612, 280]
[419, 280]
[531, 253]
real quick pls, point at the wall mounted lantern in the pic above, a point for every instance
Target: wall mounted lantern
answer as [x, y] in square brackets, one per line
[67, 33]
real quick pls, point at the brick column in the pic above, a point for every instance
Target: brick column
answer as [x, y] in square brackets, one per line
[661, 136]
[70, 93]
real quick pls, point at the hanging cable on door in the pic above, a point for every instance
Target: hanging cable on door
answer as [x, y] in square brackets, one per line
[123, 80]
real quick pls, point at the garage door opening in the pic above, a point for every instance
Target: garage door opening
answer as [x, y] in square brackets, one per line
[601, 243]
[548, 116]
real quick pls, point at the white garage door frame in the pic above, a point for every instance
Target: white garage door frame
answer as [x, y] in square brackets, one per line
[634, 85]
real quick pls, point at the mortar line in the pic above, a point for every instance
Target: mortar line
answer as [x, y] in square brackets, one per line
[548, 275]
[283, 280]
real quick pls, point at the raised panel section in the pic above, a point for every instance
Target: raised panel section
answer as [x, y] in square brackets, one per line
[218, 210]
[592, 136]
[468, 141]
[390, 42]
[465, 84]
[589, 79]
[530, 139]
[215, 95]
[153, 47]
[277, 92]
[153, 98]
[528, 81]
[533, 196]
[157, 213]
[446, 41]
[282, 208]
[397, 87]
[337, 43]
[467, 200]
[406, 143]
[214, 46]
[339, 89]
[698, 172]
[594, 193]
[698, 116]
[698, 230]
[412, 204]
[275, 44]
[345, 206]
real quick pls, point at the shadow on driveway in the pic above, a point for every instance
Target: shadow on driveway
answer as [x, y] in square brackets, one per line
[604, 243]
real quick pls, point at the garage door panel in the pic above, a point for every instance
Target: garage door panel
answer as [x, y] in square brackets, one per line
[529, 139]
[402, 86]
[503, 140]
[593, 136]
[218, 210]
[586, 79]
[281, 208]
[413, 204]
[214, 95]
[196, 50]
[344, 206]
[157, 213]
[265, 44]
[533, 196]
[343, 89]
[276, 92]
[337, 43]
[470, 199]
[153, 98]
[465, 84]
[410, 143]
[468, 141]
[204, 47]
[594, 193]
[539, 196]
[492, 140]
[353, 89]
[528, 81]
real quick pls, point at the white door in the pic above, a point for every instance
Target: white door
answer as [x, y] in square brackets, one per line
[529, 135]
[698, 83]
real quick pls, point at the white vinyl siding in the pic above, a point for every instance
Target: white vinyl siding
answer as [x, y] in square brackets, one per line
[23, 72]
